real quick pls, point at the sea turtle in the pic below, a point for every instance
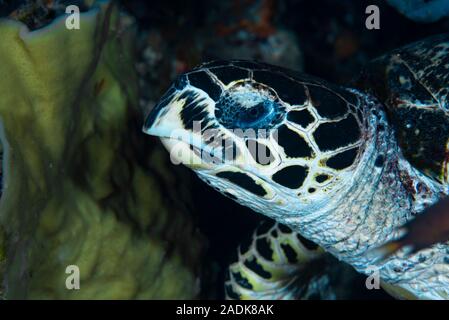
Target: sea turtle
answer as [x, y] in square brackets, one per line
[342, 167]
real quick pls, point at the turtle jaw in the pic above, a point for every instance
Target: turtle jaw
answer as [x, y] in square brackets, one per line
[188, 147]
[164, 119]
[181, 144]
[181, 139]
[186, 153]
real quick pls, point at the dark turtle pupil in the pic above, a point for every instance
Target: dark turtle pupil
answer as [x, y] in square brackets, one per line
[254, 111]
[248, 110]
[253, 114]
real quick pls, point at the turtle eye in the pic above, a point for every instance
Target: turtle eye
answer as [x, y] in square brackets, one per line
[253, 113]
[248, 106]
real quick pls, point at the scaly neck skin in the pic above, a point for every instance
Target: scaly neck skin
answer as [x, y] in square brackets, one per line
[380, 198]
[373, 205]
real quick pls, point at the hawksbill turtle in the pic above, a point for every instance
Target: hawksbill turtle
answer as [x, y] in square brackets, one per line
[342, 168]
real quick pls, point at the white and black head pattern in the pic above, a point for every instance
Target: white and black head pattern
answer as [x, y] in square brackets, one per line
[312, 131]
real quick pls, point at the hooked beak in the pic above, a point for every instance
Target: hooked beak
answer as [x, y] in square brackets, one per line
[164, 121]
[164, 118]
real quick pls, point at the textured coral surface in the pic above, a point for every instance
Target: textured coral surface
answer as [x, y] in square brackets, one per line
[82, 185]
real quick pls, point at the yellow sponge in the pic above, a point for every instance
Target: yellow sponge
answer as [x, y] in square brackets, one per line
[82, 184]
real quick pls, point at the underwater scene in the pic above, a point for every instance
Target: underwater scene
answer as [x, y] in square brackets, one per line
[212, 150]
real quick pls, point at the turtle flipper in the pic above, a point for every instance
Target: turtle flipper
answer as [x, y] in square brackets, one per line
[274, 264]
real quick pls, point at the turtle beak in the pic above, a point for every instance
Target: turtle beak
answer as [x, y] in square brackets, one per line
[164, 118]
[184, 145]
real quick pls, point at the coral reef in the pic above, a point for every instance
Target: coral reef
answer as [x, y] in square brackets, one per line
[250, 30]
[38, 13]
[82, 186]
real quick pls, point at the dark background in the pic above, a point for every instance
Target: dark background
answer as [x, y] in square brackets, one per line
[333, 43]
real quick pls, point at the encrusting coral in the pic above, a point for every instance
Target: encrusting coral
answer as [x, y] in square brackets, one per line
[82, 186]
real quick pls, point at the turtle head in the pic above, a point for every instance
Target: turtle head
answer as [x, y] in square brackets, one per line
[274, 142]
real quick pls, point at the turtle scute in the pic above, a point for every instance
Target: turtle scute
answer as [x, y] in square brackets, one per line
[413, 84]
